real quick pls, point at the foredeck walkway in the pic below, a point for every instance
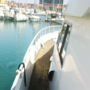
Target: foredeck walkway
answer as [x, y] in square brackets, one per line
[39, 78]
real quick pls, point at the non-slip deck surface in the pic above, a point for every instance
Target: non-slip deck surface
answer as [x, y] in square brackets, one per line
[39, 78]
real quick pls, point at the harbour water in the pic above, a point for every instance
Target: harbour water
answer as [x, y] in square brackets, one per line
[14, 41]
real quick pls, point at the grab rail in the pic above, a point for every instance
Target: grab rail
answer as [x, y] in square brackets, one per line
[44, 31]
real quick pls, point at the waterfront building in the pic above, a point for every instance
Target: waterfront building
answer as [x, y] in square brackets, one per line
[3, 1]
[51, 1]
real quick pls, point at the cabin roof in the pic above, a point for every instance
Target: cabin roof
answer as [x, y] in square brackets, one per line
[77, 60]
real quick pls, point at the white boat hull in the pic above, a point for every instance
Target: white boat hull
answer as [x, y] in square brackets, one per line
[30, 55]
[20, 17]
[1, 15]
[34, 18]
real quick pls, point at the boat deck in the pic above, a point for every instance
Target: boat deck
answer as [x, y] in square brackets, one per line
[39, 78]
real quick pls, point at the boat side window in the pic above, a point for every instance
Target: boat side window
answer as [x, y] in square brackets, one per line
[62, 42]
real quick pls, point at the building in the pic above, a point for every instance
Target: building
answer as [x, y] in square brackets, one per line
[51, 1]
[52, 4]
[3, 1]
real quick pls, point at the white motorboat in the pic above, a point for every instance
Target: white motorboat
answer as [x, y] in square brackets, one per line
[20, 17]
[54, 16]
[1, 14]
[34, 18]
[9, 15]
[3, 10]
[41, 13]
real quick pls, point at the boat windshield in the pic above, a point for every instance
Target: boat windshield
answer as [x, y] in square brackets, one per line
[62, 41]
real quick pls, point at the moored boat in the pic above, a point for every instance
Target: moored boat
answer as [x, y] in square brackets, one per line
[20, 17]
[43, 42]
[54, 16]
[34, 18]
[1, 14]
[9, 15]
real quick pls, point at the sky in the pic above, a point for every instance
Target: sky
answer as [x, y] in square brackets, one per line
[66, 1]
[32, 1]
[24, 1]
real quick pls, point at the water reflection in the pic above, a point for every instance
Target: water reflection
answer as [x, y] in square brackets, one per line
[20, 25]
[35, 25]
[9, 24]
[1, 25]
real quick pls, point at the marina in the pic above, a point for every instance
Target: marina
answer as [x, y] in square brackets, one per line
[30, 12]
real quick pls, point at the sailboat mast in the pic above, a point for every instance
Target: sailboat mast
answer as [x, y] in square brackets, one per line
[34, 4]
[42, 3]
[62, 7]
[53, 4]
[34, 7]
[62, 3]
